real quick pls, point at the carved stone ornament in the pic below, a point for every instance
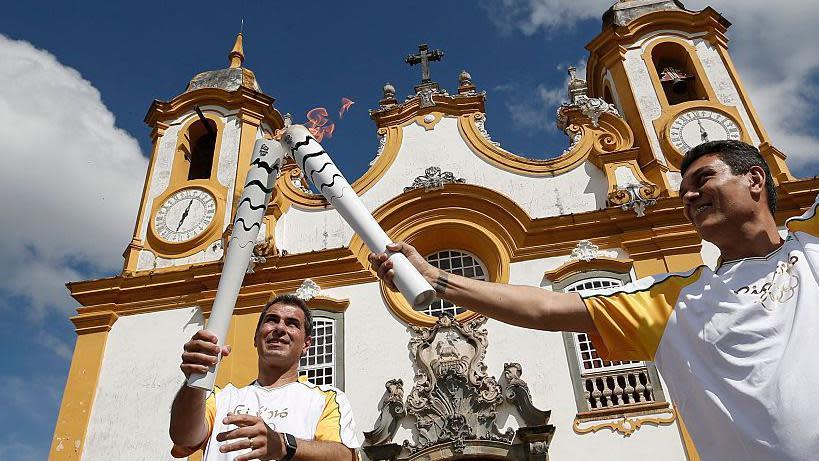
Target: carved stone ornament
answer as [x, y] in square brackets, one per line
[433, 179]
[453, 404]
[308, 290]
[635, 196]
[585, 251]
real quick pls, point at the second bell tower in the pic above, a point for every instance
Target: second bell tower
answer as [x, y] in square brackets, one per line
[668, 71]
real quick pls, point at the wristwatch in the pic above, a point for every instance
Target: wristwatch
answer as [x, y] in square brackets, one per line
[289, 446]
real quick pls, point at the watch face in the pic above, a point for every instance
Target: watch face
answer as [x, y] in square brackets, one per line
[184, 215]
[695, 127]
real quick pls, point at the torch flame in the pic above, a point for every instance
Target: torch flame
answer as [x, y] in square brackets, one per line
[345, 106]
[317, 123]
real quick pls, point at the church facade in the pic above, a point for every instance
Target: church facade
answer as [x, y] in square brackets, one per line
[442, 382]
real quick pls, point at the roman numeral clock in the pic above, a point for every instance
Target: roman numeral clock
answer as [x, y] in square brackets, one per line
[694, 127]
[184, 215]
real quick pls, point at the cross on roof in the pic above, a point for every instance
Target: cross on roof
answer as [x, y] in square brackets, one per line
[423, 57]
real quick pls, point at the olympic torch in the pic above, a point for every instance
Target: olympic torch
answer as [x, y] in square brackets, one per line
[317, 165]
[261, 178]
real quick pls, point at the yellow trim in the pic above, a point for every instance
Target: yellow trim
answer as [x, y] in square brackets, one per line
[701, 76]
[611, 134]
[668, 244]
[69, 440]
[627, 425]
[180, 166]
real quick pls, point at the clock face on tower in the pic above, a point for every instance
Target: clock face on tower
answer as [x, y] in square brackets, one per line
[184, 215]
[694, 127]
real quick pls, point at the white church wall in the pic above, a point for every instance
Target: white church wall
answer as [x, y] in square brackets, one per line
[581, 189]
[645, 95]
[723, 85]
[138, 380]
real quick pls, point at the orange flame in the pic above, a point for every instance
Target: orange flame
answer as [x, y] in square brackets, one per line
[317, 123]
[345, 106]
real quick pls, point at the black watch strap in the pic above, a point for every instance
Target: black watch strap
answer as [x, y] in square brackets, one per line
[289, 446]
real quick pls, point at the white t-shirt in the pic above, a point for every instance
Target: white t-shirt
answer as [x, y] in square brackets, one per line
[737, 346]
[303, 409]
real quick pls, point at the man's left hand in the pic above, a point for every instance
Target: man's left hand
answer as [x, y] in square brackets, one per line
[252, 432]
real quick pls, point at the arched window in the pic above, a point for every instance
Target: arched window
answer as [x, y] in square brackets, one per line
[457, 262]
[600, 384]
[677, 73]
[201, 145]
[319, 365]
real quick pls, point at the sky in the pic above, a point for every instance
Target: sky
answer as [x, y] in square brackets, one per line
[76, 79]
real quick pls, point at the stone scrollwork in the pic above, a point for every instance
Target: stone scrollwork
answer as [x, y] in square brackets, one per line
[453, 404]
[433, 179]
[635, 196]
[308, 290]
[392, 410]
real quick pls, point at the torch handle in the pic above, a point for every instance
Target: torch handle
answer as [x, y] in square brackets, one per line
[323, 173]
[261, 178]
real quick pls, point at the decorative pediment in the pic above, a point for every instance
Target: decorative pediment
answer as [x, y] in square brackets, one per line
[453, 404]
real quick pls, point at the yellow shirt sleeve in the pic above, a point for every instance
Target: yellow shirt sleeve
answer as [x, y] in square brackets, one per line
[178, 451]
[329, 425]
[630, 324]
[808, 222]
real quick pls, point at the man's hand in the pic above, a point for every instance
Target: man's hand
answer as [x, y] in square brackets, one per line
[383, 267]
[253, 433]
[201, 353]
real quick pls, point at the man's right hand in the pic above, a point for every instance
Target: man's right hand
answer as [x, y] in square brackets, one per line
[383, 267]
[201, 353]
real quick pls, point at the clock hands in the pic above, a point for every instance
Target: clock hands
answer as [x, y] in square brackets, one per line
[703, 133]
[184, 215]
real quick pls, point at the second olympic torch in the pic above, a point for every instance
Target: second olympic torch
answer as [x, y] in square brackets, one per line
[317, 165]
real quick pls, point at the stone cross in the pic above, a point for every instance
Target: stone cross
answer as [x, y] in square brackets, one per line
[423, 57]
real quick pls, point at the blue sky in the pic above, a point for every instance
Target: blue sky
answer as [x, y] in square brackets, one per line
[76, 79]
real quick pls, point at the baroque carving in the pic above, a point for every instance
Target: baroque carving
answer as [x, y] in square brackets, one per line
[308, 290]
[433, 179]
[627, 426]
[453, 401]
[636, 196]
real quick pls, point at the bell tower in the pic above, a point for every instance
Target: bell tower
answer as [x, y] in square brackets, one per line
[668, 71]
[202, 144]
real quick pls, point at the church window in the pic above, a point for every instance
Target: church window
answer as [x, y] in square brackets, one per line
[677, 73]
[201, 145]
[600, 384]
[455, 262]
[322, 364]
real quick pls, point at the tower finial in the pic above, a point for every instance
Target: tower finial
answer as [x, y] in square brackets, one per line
[237, 54]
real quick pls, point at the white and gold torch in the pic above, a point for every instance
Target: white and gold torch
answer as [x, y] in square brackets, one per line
[319, 167]
[261, 178]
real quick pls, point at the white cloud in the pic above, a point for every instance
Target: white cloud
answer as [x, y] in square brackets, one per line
[530, 16]
[70, 182]
[772, 45]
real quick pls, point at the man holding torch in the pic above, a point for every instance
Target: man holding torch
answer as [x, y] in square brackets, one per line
[278, 416]
[736, 345]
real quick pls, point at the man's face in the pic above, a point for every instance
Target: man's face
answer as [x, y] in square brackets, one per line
[280, 338]
[716, 201]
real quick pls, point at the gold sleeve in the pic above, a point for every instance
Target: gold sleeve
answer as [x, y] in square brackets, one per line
[630, 324]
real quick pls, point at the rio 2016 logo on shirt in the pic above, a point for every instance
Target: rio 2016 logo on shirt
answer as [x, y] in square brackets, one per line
[263, 412]
[779, 289]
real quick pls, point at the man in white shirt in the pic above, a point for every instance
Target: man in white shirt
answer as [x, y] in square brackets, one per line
[736, 345]
[278, 416]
